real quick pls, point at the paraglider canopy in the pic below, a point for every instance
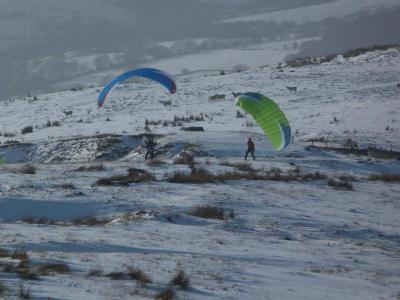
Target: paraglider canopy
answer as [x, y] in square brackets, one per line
[149, 73]
[268, 116]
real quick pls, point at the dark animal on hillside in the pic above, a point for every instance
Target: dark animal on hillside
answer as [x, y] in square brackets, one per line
[235, 95]
[166, 103]
[292, 89]
[217, 97]
[68, 113]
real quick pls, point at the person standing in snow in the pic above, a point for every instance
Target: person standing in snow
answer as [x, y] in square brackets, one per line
[150, 145]
[251, 147]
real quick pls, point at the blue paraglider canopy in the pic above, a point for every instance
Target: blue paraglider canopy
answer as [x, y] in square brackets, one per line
[149, 73]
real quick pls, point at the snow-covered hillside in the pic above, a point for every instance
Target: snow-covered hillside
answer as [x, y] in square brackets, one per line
[360, 92]
[312, 13]
[291, 234]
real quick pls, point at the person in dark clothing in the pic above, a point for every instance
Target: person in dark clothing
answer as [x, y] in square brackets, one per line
[250, 149]
[150, 145]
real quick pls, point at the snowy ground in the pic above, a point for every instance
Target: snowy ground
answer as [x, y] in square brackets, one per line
[287, 240]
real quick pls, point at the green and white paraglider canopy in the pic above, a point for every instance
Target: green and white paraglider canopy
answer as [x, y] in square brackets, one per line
[268, 116]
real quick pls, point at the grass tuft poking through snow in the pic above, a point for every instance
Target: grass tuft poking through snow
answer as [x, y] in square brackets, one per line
[20, 254]
[341, 184]
[27, 272]
[91, 221]
[197, 175]
[95, 272]
[239, 166]
[134, 176]
[156, 162]
[386, 177]
[116, 275]
[27, 169]
[136, 274]
[211, 212]
[40, 221]
[346, 177]
[181, 279]
[91, 168]
[313, 176]
[59, 268]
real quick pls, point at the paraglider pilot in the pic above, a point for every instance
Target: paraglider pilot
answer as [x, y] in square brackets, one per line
[150, 144]
[250, 148]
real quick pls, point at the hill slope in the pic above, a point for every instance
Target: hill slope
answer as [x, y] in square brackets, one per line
[306, 223]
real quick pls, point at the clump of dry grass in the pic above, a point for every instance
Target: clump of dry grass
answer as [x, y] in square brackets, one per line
[91, 221]
[195, 176]
[116, 275]
[137, 274]
[26, 272]
[95, 272]
[84, 221]
[134, 176]
[91, 168]
[245, 167]
[20, 254]
[156, 162]
[49, 268]
[313, 176]
[386, 177]
[27, 169]
[181, 279]
[38, 221]
[342, 185]
[131, 272]
[199, 176]
[211, 212]
[244, 176]
[347, 177]
[166, 294]
[273, 175]
[67, 186]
